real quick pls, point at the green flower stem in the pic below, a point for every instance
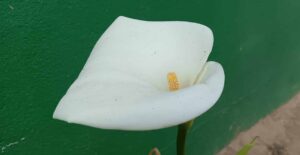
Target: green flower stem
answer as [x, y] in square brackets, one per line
[181, 136]
[246, 148]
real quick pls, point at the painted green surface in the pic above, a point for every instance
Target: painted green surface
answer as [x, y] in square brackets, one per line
[44, 45]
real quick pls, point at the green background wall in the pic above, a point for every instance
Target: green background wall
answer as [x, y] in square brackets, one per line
[44, 45]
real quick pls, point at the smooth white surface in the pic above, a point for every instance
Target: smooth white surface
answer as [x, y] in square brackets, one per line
[124, 82]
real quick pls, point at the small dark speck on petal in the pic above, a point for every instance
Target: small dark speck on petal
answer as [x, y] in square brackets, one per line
[154, 53]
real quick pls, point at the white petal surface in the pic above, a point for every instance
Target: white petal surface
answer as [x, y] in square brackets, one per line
[124, 86]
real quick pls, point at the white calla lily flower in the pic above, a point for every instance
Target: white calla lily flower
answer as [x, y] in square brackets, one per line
[124, 84]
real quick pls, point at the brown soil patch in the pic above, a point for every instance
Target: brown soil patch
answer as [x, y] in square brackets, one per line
[278, 133]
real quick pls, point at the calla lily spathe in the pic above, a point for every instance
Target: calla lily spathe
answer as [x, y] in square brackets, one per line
[124, 85]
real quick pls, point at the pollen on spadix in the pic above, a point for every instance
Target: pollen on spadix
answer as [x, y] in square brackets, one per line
[173, 81]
